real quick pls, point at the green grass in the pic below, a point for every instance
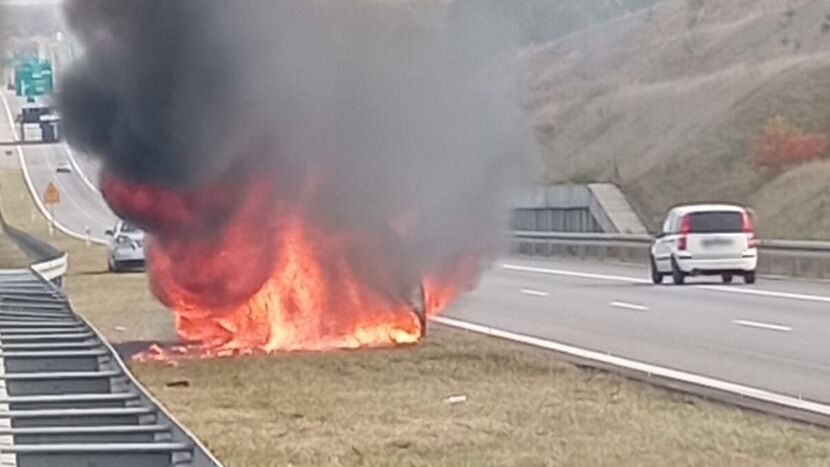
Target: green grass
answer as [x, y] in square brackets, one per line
[386, 407]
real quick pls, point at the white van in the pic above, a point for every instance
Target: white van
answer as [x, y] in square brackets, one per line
[706, 240]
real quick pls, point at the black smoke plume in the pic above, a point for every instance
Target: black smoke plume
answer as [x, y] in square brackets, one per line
[407, 112]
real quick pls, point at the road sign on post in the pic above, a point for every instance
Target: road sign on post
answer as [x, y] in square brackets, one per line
[51, 197]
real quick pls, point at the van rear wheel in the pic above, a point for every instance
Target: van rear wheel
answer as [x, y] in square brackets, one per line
[727, 278]
[678, 276]
[656, 275]
[749, 278]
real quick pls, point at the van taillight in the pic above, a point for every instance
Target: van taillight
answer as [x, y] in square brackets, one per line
[685, 230]
[749, 230]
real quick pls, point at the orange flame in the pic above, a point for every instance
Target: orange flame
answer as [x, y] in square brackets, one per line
[440, 290]
[233, 293]
[297, 308]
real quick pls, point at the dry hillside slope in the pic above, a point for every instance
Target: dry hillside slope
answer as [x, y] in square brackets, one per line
[668, 104]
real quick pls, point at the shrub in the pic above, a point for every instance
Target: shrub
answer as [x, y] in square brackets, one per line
[782, 143]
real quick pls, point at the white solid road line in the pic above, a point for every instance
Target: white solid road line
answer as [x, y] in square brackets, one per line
[636, 280]
[769, 293]
[580, 275]
[628, 306]
[649, 369]
[77, 167]
[535, 293]
[769, 327]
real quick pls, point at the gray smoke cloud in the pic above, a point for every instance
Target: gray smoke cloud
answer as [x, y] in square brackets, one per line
[405, 113]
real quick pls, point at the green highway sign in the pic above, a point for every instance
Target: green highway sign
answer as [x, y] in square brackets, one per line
[33, 77]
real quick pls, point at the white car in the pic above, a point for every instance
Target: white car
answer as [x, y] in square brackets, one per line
[705, 240]
[126, 249]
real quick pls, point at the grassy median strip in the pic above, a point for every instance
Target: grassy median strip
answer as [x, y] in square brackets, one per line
[11, 257]
[458, 400]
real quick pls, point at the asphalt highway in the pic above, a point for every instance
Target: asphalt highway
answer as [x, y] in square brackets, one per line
[773, 335]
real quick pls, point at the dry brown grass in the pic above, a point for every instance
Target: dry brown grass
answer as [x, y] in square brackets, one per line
[11, 257]
[386, 407]
[524, 408]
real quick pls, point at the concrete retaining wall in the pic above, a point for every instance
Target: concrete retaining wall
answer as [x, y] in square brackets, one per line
[599, 208]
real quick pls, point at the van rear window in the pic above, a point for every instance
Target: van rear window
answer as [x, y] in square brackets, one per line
[129, 228]
[717, 222]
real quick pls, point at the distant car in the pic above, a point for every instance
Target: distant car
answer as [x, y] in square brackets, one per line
[705, 240]
[126, 248]
[64, 168]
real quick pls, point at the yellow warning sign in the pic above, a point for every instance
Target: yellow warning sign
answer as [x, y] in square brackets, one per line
[51, 195]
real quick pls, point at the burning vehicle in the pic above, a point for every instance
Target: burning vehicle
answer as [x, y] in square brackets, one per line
[311, 291]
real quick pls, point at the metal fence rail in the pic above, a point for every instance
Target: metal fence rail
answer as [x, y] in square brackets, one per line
[778, 257]
[67, 399]
[47, 261]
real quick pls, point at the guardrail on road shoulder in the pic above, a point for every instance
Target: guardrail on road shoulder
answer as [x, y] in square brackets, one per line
[66, 396]
[777, 257]
[53, 270]
[49, 262]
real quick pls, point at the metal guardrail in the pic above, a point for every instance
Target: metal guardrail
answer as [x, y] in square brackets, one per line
[802, 247]
[598, 239]
[610, 240]
[49, 262]
[12, 144]
[778, 257]
[53, 270]
[66, 398]
[34, 248]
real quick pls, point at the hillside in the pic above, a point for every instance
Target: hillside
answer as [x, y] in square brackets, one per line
[671, 103]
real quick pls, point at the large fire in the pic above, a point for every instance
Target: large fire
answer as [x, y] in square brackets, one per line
[271, 280]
